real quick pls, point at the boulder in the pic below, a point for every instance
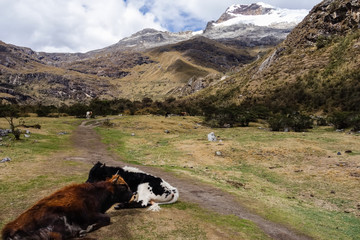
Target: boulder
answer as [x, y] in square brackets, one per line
[212, 137]
[218, 153]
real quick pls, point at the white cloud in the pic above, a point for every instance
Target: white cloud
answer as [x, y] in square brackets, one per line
[84, 25]
[69, 25]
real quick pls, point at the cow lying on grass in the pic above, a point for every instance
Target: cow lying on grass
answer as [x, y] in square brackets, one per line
[70, 212]
[148, 190]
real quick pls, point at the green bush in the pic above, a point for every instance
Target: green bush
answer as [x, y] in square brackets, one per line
[296, 121]
[340, 120]
[44, 111]
[278, 122]
[355, 122]
[232, 115]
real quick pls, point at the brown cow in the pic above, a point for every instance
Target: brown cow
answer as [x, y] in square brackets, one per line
[70, 212]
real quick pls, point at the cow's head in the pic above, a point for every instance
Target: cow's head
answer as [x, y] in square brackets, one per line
[121, 190]
[97, 173]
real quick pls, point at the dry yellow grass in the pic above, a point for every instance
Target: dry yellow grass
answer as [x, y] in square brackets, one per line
[155, 80]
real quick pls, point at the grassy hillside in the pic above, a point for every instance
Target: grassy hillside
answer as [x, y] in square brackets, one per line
[325, 78]
[168, 71]
[213, 54]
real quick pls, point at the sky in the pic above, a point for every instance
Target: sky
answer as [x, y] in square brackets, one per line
[85, 25]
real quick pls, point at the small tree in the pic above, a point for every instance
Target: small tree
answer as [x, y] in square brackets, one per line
[10, 112]
[295, 121]
[340, 119]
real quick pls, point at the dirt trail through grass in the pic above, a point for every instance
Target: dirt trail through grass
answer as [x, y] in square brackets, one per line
[88, 142]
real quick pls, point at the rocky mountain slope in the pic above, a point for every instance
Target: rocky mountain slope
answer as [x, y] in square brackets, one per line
[149, 63]
[26, 78]
[315, 68]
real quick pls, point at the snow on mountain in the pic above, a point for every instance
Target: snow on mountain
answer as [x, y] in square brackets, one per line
[247, 25]
[260, 14]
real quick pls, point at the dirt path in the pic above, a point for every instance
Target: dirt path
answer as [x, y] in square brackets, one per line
[87, 141]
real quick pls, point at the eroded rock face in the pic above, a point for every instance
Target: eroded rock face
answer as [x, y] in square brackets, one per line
[326, 20]
[330, 17]
[195, 84]
[21, 88]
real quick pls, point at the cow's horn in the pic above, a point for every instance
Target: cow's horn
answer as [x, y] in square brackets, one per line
[117, 178]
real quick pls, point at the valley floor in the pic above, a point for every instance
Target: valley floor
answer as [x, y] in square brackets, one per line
[262, 184]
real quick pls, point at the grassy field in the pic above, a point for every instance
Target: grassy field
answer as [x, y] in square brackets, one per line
[45, 162]
[32, 172]
[297, 179]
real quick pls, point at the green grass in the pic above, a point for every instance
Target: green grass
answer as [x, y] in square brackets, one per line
[41, 142]
[31, 170]
[338, 225]
[233, 223]
[117, 142]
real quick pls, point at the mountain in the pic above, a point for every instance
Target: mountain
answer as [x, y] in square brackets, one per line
[253, 25]
[149, 63]
[316, 68]
[260, 23]
[26, 78]
[150, 38]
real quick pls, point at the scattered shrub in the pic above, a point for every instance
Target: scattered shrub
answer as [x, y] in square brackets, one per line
[107, 123]
[340, 120]
[278, 122]
[355, 122]
[322, 41]
[232, 115]
[296, 121]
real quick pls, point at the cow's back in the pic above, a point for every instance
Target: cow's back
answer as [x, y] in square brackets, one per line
[67, 205]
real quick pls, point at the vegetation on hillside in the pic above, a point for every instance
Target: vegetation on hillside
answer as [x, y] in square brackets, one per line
[278, 118]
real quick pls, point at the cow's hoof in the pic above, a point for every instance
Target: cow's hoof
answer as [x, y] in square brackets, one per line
[154, 207]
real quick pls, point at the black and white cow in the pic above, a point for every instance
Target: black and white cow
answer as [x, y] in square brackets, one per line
[149, 190]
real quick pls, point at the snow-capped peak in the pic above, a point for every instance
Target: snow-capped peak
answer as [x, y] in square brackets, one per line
[264, 5]
[260, 14]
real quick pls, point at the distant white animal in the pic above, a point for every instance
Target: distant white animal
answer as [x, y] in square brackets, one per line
[88, 114]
